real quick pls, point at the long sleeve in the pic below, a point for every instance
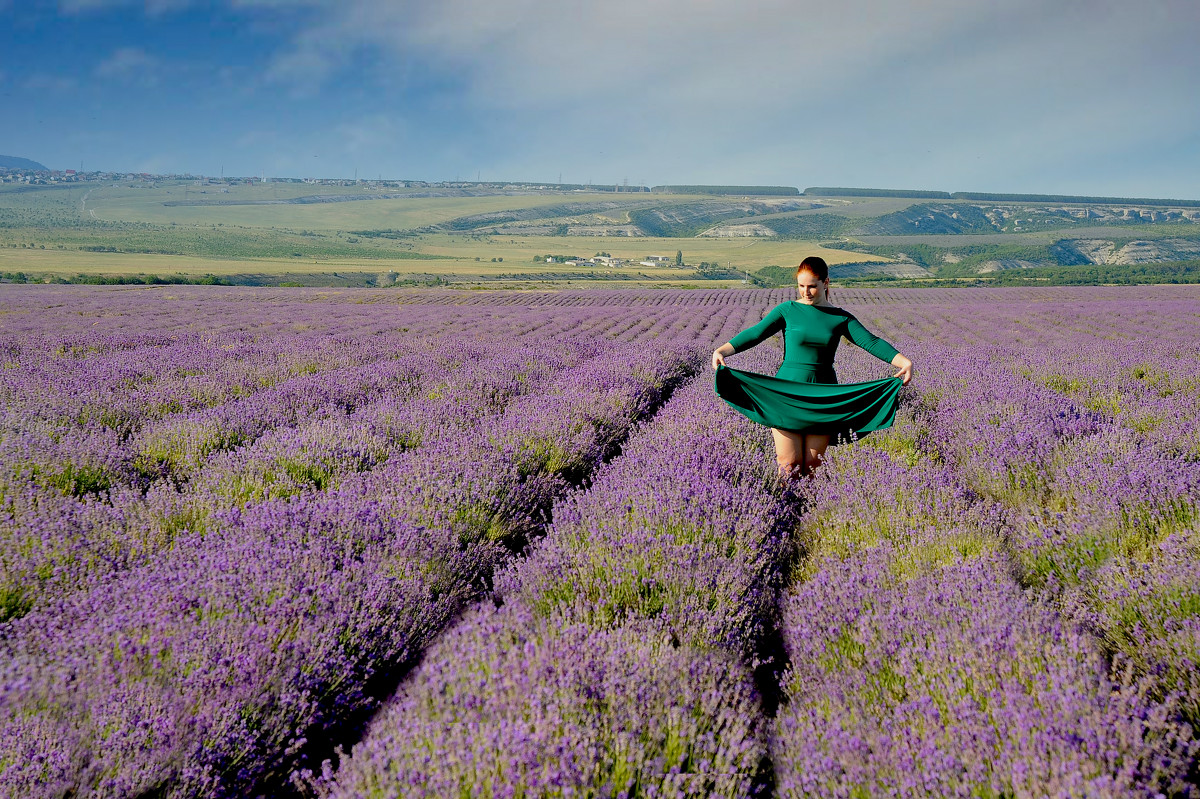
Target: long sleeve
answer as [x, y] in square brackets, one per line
[869, 342]
[771, 324]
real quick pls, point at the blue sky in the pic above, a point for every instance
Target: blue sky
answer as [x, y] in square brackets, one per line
[1052, 96]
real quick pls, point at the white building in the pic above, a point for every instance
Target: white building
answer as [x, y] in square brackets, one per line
[656, 260]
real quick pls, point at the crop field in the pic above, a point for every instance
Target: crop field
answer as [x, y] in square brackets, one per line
[341, 543]
[379, 234]
[359, 235]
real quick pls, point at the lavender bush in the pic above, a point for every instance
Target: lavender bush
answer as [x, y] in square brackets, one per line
[510, 703]
[225, 536]
[620, 663]
[920, 667]
[301, 666]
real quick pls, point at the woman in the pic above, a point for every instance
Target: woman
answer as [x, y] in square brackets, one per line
[803, 404]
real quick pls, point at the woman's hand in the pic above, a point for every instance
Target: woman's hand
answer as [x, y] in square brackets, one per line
[905, 367]
[719, 354]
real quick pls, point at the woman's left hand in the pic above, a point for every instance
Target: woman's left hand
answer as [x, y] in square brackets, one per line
[905, 367]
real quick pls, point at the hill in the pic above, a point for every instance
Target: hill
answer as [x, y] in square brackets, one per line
[111, 227]
[12, 162]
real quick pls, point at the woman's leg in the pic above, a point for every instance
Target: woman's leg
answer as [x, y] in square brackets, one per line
[789, 452]
[814, 452]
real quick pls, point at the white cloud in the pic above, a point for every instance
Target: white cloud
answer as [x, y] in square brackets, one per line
[936, 88]
[130, 65]
[935, 93]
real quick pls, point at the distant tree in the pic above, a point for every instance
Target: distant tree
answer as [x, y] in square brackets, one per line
[679, 257]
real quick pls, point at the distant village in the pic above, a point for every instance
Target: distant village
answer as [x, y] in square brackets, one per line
[604, 259]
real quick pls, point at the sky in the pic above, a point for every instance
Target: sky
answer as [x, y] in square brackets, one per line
[1043, 96]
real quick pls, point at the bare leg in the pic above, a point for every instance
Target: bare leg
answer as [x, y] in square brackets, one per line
[789, 452]
[814, 452]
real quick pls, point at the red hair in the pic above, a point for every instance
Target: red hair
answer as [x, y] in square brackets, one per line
[815, 264]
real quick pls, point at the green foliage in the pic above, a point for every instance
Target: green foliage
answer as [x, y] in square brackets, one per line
[15, 602]
[707, 271]
[931, 218]
[1112, 274]
[810, 226]
[774, 277]
[148, 280]
[79, 481]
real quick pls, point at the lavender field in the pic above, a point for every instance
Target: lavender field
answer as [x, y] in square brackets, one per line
[503, 544]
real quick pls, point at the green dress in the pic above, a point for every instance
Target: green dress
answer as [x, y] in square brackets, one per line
[804, 396]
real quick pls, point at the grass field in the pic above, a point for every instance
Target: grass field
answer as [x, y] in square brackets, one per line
[251, 232]
[365, 212]
[366, 234]
[457, 265]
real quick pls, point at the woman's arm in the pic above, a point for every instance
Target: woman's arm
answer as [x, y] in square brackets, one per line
[869, 341]
[879, 348]
[721, 353]
[905, 366]
[771, 324]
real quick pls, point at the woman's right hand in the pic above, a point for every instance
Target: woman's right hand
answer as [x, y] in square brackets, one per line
[718, 359]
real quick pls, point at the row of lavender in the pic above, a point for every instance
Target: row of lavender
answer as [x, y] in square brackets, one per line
[82, 499]
[1118, 734]
[1060, 457]
[1103, 510]
[264, 619]
[133, 417]
[619, 661]
[208, 686]
[920, 667]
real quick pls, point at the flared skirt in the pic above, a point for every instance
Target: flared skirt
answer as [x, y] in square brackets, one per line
[845, 410]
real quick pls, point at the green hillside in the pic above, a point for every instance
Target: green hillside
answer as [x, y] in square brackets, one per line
[147, 229]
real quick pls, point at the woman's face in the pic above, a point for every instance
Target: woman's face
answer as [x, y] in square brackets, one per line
[811, 289]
